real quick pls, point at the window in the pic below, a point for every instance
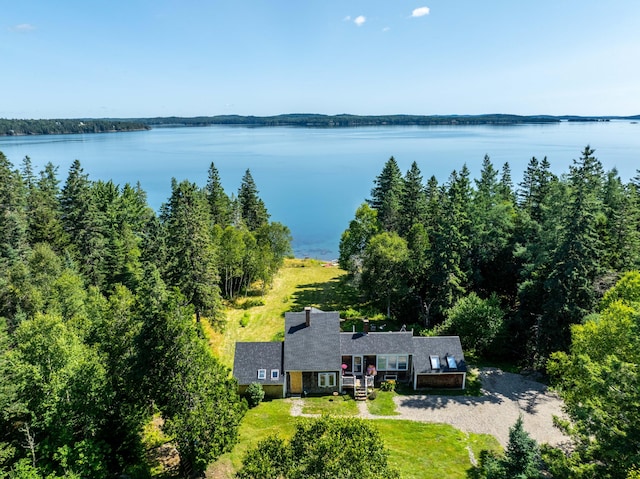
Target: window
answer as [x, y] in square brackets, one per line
[275, 374]
[262, 374]
[435, 362]
[382, 363]
[393, 362]
[402, 362]
[326, 380]
[451, 362]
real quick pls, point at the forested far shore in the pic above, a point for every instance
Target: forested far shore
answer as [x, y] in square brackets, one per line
[11, 127]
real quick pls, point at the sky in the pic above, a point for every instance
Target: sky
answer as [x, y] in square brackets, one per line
[144, 58]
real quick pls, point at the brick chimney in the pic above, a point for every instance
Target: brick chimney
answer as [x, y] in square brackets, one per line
[307, 316]
[365, 326]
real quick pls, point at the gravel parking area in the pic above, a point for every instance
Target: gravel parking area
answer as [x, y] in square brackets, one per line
[505, 396]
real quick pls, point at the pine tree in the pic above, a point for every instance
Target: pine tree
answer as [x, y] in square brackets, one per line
[219, 203]
[254, 212]
[386, 196]
[191, 254]
[577, 259]
[413, 200]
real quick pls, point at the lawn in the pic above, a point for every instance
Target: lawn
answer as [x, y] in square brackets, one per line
[417, 450]
[343, 405]
[431, 451]
[383, 404]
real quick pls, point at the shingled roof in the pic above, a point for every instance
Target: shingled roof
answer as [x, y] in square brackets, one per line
[250, 357]
[315, 347]
[441, 346]
[391, 342]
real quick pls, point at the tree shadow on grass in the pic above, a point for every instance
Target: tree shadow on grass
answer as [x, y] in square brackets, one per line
[334, 295]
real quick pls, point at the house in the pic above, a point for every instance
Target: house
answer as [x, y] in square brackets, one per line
[316, 357]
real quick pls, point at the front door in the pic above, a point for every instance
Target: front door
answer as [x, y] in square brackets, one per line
[357, 365]
[295, 379]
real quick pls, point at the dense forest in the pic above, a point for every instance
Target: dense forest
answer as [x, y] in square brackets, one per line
[61, 126]
[540, 255]
[543, 274]
[307, 120]
[101, 308]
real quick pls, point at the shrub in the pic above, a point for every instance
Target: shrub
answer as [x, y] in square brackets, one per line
[388, 385]
[244, 320]
[255, 394]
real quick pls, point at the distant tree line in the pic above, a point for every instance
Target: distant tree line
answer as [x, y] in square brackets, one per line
[311, 120]
[511, 268]
[66, 126]
[101, 302]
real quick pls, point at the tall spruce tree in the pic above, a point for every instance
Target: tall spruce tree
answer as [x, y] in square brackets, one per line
[413, 200]
[219, 202]
[386, 196]
[191, 254]
[577, 260]
[252, 209]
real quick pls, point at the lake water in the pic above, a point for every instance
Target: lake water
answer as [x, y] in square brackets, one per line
[312, 180]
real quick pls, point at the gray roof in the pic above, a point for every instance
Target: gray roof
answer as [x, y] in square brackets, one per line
[250, 357]
[313, 348]
[391, 342]
[441, 346]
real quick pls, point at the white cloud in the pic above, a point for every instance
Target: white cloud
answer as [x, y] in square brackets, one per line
[420, 12]
[386, 29]
[23, 27]
[359, 20]
[347, 18]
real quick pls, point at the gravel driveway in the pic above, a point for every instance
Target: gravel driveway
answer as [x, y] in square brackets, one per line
[505, 396]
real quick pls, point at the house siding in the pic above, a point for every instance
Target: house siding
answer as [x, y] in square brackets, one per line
[440, 381]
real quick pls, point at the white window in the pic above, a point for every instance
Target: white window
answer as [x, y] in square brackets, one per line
[451, 362]
[393, 362]
[262, 374]
[435, 362]
[275, 374]
[326, 380]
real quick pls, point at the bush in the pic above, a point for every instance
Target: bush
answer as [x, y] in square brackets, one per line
[388, 385]
[244, 320]
[255, 394]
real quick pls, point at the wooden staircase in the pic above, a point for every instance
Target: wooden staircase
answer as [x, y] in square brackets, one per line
[361, 390]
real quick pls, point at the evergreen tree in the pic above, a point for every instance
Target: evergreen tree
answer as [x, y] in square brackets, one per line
[191, 253]
[219, 202]
[252, 209]
[413, 200]
[386, 196]
[576, 261]
[44, 215]
[13, 222]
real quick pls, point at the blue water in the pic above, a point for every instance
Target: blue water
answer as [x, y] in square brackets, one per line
[313, 180]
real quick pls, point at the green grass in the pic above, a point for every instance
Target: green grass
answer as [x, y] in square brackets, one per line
[417, 450]
[383, 404]
[431, 451]
[266, 419]
[334, 405]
